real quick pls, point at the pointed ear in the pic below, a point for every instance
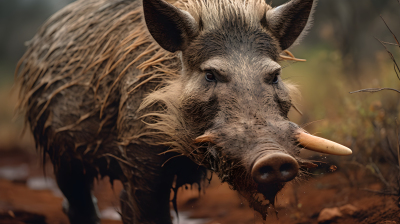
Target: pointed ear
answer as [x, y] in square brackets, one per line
[171, 27]
[288, 21]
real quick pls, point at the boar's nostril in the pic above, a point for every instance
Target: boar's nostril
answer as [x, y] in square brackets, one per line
[274, 168]
[265, 172]
[287, 169]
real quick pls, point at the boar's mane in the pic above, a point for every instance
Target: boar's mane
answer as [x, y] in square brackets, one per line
[113, 49]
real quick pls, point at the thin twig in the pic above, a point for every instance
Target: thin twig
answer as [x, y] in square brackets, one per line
[394, 36]
[393, 153]
[379, 174]
[396, 66]
[388, 43]
[373, 90]
[291, 57]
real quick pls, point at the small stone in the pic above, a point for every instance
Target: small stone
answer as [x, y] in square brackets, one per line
[348, 209]
[329, 214]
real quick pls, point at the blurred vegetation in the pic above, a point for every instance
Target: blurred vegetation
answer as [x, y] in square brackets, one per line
[19, 21]
[347, 26]
[368, 123]
[342, 56]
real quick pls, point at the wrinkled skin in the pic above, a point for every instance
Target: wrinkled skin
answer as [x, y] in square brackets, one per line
[154, 94]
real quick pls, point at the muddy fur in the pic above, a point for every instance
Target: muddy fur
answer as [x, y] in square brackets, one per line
[96, 88]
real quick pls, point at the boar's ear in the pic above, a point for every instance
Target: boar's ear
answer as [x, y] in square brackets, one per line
[171, 27]
[288, 21]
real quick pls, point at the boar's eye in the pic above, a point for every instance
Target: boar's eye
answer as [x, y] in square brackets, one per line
[210, 76]
[276, 80]
[276, 74]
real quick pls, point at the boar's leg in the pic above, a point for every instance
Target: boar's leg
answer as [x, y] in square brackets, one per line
[148, 203]
[126, 210]
[149, 199]
[146, 199]
[76, 183]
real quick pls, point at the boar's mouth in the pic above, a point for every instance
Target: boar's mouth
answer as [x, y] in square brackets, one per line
[232, 171]
[263, 198]
[261, 195]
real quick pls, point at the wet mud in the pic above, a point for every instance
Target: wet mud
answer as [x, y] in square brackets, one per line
[27, 195]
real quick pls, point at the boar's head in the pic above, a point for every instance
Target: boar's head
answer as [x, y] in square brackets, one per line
[228, 109]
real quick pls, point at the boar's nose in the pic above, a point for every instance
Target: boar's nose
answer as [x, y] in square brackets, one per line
[274, 168]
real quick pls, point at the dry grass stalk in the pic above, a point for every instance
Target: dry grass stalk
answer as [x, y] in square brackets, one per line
[391, 189]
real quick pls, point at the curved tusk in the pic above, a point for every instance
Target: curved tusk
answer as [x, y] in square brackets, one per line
[322, 145]
[204, 138]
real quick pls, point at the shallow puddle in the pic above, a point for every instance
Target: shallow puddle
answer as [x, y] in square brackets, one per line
[110, 213]
[14, 173]
[44, 183]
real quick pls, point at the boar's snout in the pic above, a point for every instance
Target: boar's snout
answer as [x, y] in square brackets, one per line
[274, 168]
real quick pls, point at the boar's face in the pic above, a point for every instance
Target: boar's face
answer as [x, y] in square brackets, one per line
[228, 109]
[236, 104]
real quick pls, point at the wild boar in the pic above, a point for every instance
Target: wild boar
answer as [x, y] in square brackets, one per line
[156, 93]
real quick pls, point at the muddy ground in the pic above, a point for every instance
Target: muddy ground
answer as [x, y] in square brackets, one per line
[26, 196]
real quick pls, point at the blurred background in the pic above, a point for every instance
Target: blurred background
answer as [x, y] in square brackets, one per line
[343, 55]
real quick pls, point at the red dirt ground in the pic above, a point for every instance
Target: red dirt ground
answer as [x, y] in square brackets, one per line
[298, 203]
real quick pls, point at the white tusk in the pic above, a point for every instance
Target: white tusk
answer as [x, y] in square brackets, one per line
[322, 145]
